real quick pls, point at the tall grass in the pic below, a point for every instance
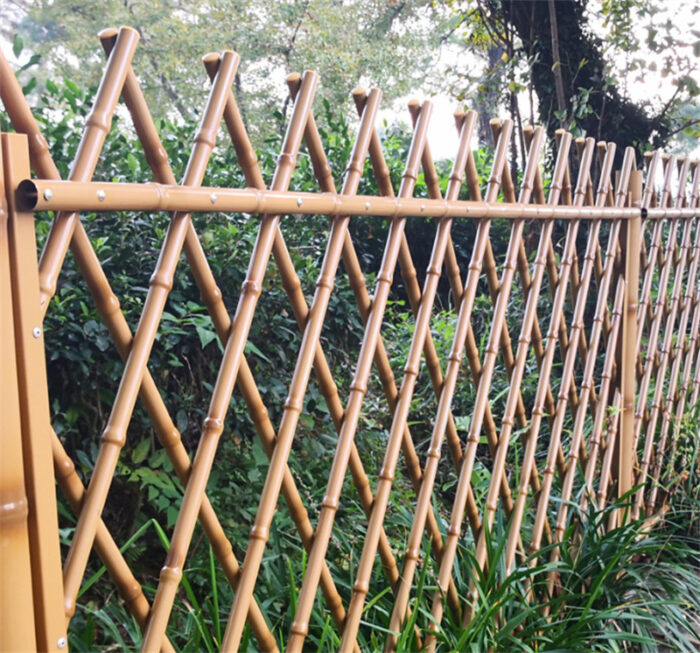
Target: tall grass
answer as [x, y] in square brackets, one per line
[634, 587]
[624, 589]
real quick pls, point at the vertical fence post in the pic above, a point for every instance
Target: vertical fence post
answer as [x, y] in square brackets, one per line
[16, 601]
[626, 456]
[32, 391]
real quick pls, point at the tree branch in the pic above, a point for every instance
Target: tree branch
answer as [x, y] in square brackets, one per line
[556, 66]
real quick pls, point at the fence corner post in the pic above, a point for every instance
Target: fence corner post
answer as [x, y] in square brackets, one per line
[626, 458]
[16, 598]
[29, 378]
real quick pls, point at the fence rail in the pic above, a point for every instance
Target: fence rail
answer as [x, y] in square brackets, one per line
[602, 315]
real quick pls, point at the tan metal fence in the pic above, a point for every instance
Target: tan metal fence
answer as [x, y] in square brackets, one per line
[610, 333]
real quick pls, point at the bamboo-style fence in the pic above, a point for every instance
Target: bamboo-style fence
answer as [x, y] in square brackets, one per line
[608, 320]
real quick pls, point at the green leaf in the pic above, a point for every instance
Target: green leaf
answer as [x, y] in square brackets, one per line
[72, 86]
[259, 454]
[17, 45]
[205, 335]
[33, 61]
[141, 451]
[171, 514]
[29, 86]
[251, 348]
[132, 162]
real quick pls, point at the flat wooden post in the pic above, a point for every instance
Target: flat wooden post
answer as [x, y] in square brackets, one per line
[626, 455]
[30, 381]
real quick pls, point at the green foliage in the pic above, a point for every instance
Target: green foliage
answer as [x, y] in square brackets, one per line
[613, 588]
[616, 70]
[616, 590]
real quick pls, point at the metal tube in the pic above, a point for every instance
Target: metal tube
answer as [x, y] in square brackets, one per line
[538, 410]
[627, 455]
[329, 505]
[108, 307]
[35, 418]
[82, 197]
[524, 342]
[16, 600]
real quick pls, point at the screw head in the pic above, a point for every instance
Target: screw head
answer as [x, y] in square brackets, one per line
[48, 194]
[101, 195]
[61, 643]
[213, 198]
[36, 332]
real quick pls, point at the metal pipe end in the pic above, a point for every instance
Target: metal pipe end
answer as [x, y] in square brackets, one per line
[108, 33]
[210, 58]
[27, 195]
[359, 97]
[293, 83]
[229, 54]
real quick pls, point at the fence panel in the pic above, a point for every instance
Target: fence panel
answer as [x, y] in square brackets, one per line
[533, 380]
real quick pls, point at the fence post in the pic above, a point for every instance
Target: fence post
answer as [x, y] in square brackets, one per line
[49, 619]
[16, 602]
[626, 455]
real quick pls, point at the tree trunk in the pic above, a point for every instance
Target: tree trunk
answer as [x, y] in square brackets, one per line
[567, 57]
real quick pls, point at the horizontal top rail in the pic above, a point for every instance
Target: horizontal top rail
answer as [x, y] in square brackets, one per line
[54, 195]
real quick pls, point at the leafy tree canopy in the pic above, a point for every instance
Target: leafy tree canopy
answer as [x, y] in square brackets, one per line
[390, 44]
[620, 70]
